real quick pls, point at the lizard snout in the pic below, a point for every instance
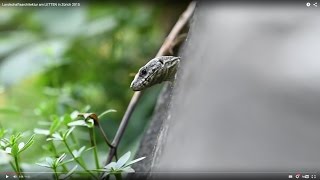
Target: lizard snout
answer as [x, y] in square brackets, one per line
[134, 86]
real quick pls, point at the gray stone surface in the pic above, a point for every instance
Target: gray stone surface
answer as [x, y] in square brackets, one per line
[247, 96]
[151, 137]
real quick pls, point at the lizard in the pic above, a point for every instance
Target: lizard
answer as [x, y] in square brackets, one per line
[157, 70]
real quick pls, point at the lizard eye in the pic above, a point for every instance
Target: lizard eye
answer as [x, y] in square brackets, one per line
[143, 72]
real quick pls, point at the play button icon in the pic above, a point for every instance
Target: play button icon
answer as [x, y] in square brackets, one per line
[7, 176]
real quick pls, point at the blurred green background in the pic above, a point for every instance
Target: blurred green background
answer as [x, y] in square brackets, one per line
[56, 60]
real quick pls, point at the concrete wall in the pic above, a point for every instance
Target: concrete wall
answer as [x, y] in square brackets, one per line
[247, 97]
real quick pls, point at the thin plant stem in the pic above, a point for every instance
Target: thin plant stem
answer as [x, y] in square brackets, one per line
[13, 166]
[123, 124]
[77, 160]
[18, 169]
[116, 154]
[94, 146]
[76, 142]
[54, 149]
[118, 176]
[104, 136]
[56, 177]
[106, 112]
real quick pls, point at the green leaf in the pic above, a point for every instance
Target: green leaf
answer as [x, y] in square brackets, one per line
[90, 148]
[109, 166]
[67, 161]
[90, 123]
[74, 115]
[15, 149]
[122, 161]
[128, 170]
[59, 159]
[41, 131]
[20, 146]
[43, 165]
[55, 137]
[69, 173]
[106, 112]
[14, 138]
[77, 153]
[77, 123]
[105, 175]
[2, 132]
[99, 170]
[65, 136]
[4, 142]
[55, 124]
[66, 119]
[134, 161]
[28, 144]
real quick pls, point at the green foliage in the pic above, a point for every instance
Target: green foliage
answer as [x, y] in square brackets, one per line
[57, 62]
[11, 145]
[54, 163]
[121, 166]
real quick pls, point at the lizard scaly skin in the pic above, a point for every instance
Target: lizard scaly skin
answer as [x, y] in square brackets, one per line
[157, 70]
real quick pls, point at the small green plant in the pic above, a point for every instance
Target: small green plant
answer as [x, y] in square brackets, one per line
[55, 163]
[120, 167]
[14, 147]
[66, 149]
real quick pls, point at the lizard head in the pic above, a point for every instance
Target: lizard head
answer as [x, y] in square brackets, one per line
[146, 74]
